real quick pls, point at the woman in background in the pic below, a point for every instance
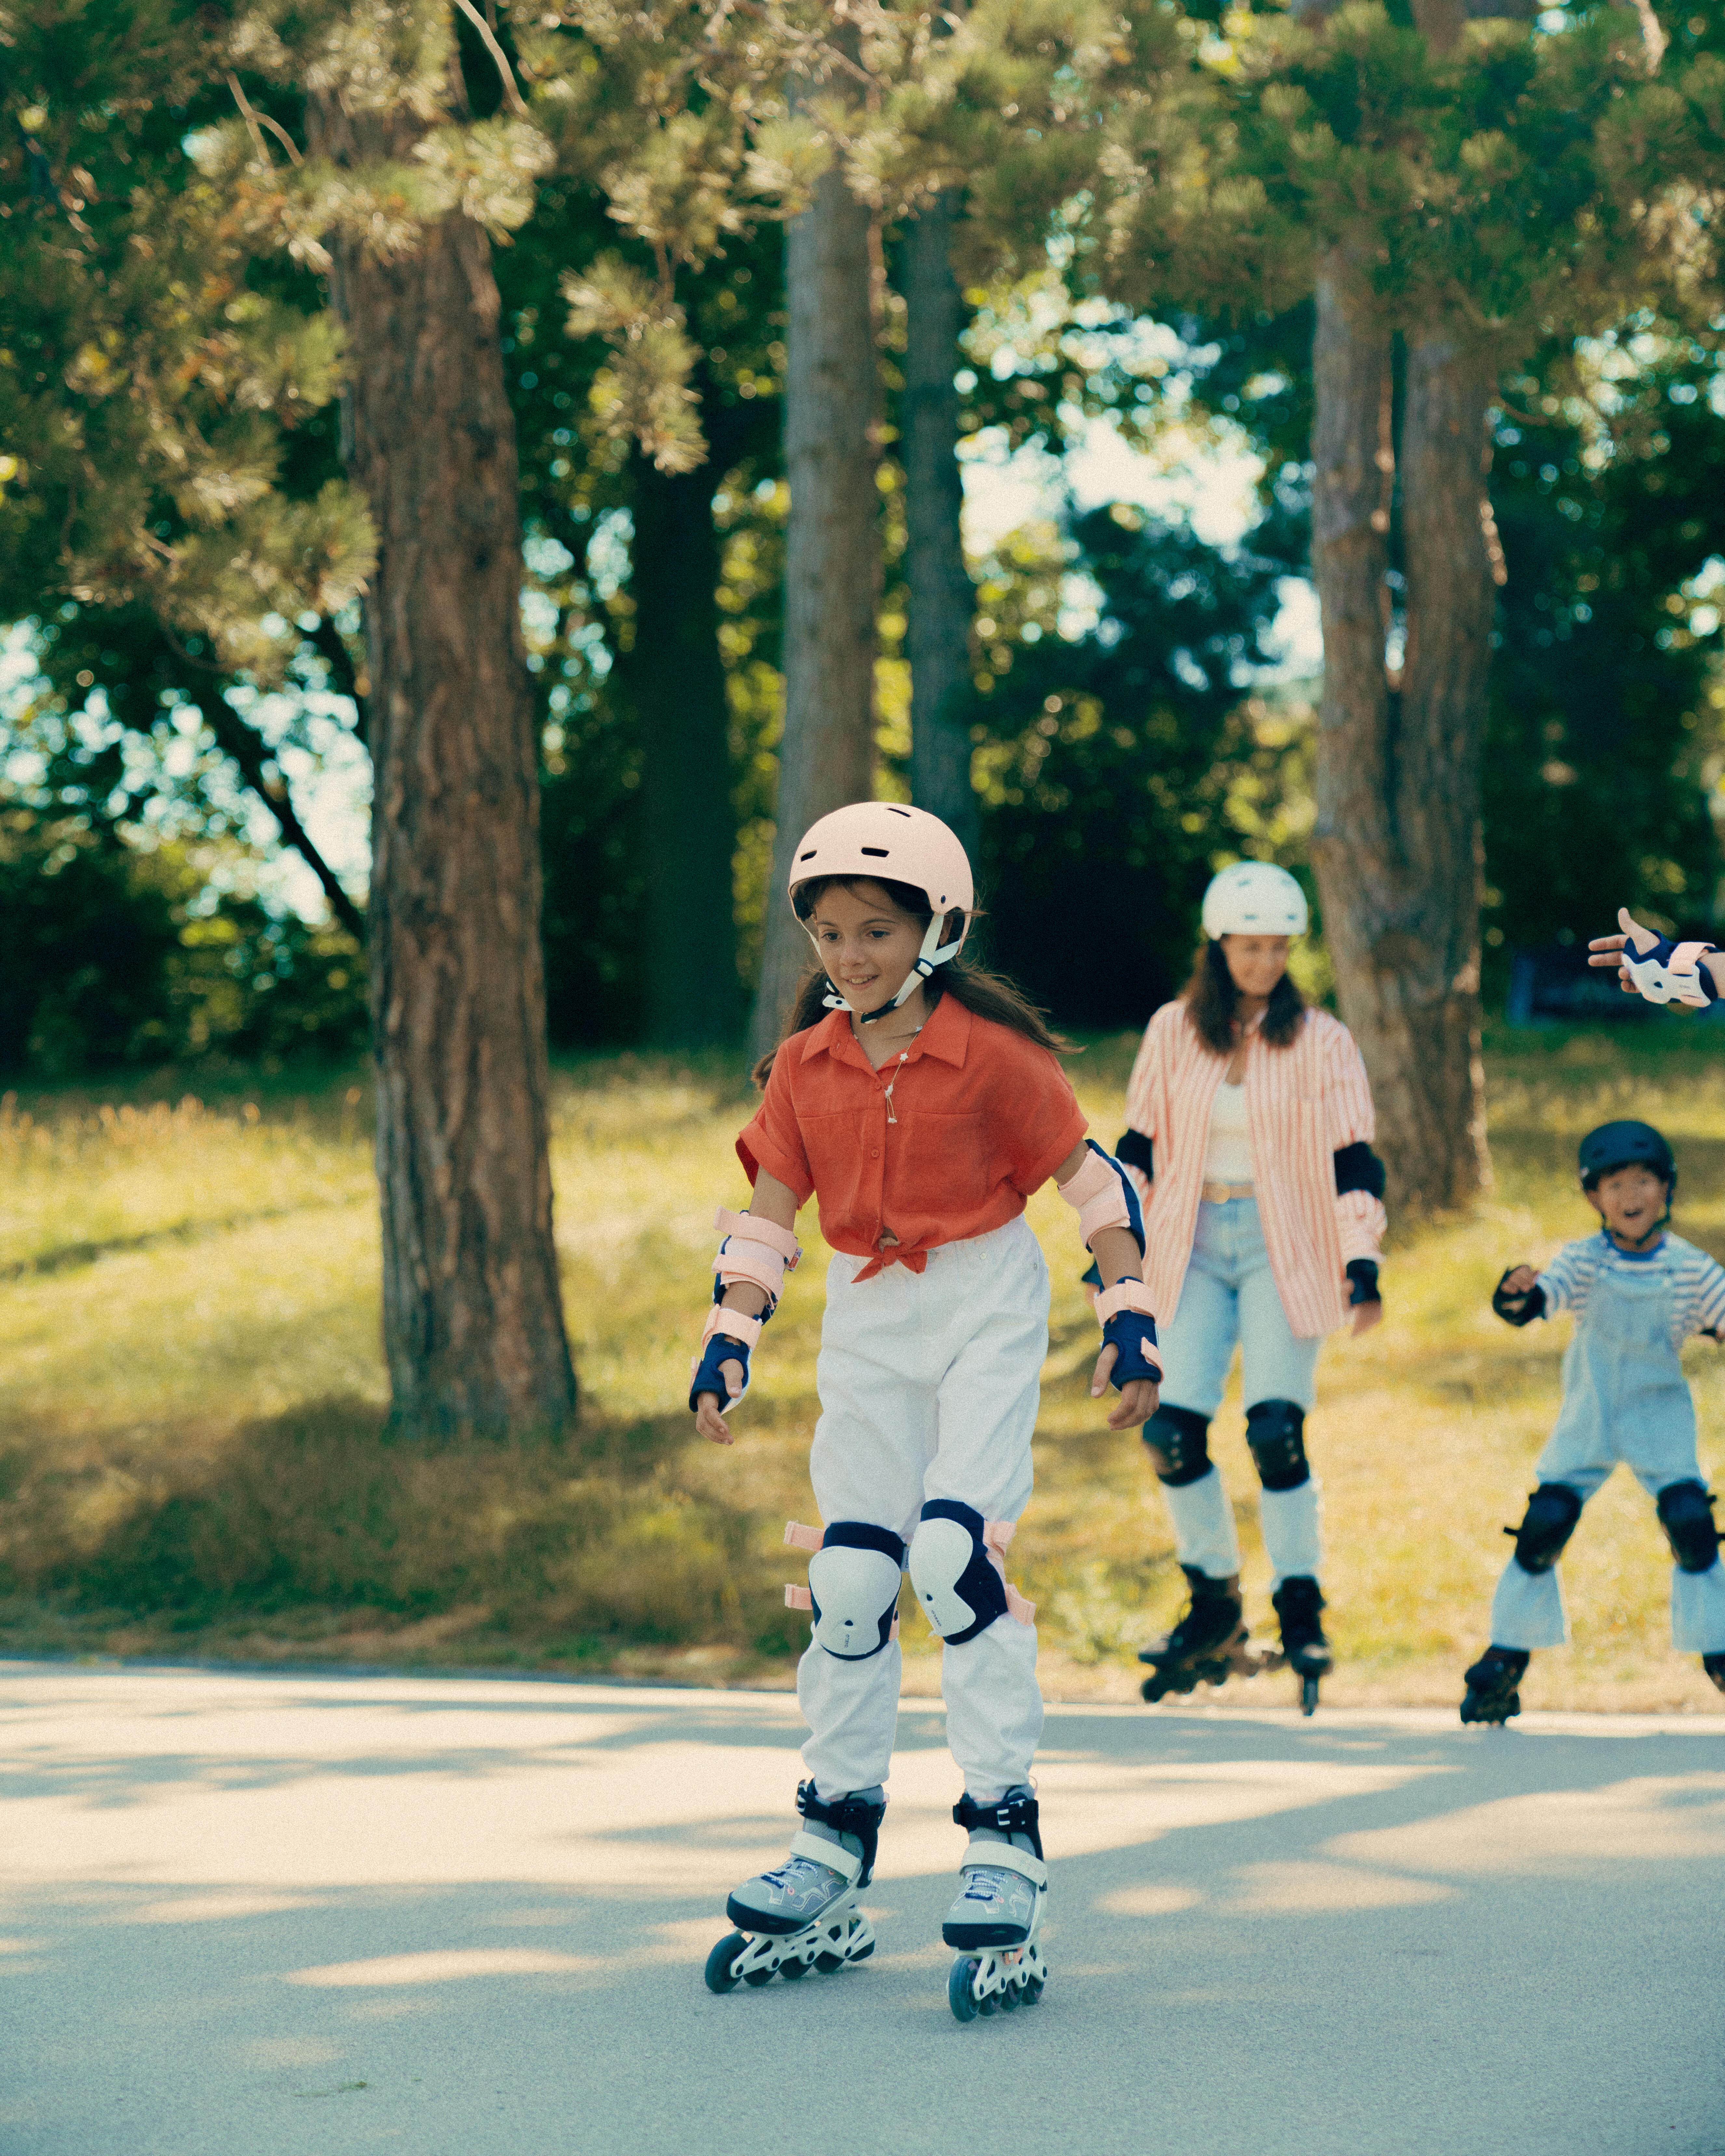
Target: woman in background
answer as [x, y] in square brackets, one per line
[1250, 1126]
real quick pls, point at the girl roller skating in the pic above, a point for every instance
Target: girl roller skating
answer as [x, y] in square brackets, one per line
[1638, 1292]
[1250, 1125]
[919, 1100]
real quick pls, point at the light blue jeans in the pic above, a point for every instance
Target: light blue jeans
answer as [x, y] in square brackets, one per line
[1230, 1298]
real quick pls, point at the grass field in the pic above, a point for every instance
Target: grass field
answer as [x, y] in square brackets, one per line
[192, 1459]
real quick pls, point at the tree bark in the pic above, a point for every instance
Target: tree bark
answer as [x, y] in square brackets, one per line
[675, 676]
[473, 1322]
[1397, 839]
[832, 557]
[942, 599]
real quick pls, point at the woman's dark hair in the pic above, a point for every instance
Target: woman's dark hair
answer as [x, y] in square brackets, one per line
[988, 995]
[1212, 1001]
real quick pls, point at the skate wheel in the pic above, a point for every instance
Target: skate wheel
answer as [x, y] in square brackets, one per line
[794, 1972]
[1308, 1694]
[960, 1997]
[827, 1963]
[719, 1963]
[862, 1954]
[1033, 1989]
[1010, 1998]
[755, 1978]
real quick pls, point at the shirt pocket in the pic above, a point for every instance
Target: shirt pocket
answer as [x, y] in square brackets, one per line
[942, 1165]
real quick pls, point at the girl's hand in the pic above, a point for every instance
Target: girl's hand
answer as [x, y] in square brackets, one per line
[1366, 1315]
[1138, 1399]
[1521, 1281]
[1608, 950]
[712, 1424]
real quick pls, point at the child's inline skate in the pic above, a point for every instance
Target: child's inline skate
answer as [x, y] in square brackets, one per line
[803, 1914]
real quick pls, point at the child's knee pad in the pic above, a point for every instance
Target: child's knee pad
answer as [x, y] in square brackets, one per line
[1546, 1525]
[854, 1572]
[1685, 1512]
[956, 1580]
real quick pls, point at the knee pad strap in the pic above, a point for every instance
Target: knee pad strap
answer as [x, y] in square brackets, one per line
[1178, 1441]
[1685, 1512]
[854, 1574]
[1546, 1525]
[1275, 1430]
[959, 1580]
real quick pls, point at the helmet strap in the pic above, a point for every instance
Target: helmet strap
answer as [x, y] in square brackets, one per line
[933, 953]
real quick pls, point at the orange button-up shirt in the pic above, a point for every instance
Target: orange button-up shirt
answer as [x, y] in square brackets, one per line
[945, 1143]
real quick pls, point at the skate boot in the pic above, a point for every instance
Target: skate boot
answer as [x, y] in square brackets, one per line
[1491, 1695]
[1714, 1667]
[1298, 1605]
[995, 1921]
[804, 1915]
[1206, 1646]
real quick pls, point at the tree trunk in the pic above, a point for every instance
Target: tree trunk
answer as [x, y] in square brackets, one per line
[675, 676]
[832, 557]
[1397, 844]
[473, 1322]
[942, 599]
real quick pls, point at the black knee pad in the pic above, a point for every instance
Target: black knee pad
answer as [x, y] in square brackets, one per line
[1275, 1430]
[1685, 1512]
[1178, 1440]
[1546, 1525]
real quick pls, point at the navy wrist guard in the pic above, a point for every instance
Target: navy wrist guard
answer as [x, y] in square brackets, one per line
[710, 1378]
[1364, 1273]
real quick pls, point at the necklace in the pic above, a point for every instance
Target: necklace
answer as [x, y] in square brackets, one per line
[904, 1058]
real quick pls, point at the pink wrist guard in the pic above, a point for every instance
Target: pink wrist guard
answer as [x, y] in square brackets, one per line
[1125, 1294]
[1095, 1196]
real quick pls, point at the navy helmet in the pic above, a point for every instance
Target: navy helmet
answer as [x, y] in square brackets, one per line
[1625, 1145]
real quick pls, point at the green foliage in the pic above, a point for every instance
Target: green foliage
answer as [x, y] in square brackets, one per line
[1110, 763]
[113, 955]
[1606, 728]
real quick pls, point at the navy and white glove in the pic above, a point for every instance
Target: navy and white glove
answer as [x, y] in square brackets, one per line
[708, 1377]
[1131, 1331]
[1520, 1309]
[1667, 972]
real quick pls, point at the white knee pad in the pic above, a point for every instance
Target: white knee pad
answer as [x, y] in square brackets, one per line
[956, 1579]
[854, 1577]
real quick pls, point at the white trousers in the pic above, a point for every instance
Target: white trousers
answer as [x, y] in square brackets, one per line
[930, 1384]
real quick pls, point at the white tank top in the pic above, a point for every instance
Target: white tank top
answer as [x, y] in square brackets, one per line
[1229, 1156]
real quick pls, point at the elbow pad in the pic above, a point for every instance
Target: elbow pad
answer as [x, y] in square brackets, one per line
[1518, 1309]
[1357, 1167]
[1136, 1151]
[1102, 1196]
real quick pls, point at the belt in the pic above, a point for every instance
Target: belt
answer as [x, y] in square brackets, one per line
[1218, 1194]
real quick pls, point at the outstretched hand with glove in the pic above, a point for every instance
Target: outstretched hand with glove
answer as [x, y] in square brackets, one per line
[1650, 965]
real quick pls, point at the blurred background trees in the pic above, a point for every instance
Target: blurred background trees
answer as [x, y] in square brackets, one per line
[1060, 219]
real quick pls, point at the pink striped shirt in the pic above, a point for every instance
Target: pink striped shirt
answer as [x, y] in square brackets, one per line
[1303, 1102]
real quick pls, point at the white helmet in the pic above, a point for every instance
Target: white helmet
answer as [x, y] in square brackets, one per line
[884, 840]
[1254, 898]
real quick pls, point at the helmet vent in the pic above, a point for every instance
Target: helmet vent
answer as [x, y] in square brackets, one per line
[874, 852]
[905, 812]
[810, 855]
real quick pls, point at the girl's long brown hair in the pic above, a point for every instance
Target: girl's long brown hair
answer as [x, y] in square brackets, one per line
[985, 994]
[1213, 1001]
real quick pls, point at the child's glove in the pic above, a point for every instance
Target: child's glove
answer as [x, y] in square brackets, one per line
[1521, 1308]
[1667, 972]
[1130, 1329]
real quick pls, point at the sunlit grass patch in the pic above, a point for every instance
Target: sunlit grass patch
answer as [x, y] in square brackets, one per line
[193, 1456]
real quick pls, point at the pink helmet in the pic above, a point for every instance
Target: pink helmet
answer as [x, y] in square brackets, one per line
[886, 841]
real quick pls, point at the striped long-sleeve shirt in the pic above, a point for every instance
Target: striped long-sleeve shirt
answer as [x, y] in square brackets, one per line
[1697, 1283]
[1304, 1102]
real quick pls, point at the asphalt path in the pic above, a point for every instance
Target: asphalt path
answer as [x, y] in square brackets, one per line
[287, 1913]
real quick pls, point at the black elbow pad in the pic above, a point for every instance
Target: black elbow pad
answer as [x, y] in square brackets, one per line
[1357, 1167]
[1136, 1151]
[1518, 1309]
